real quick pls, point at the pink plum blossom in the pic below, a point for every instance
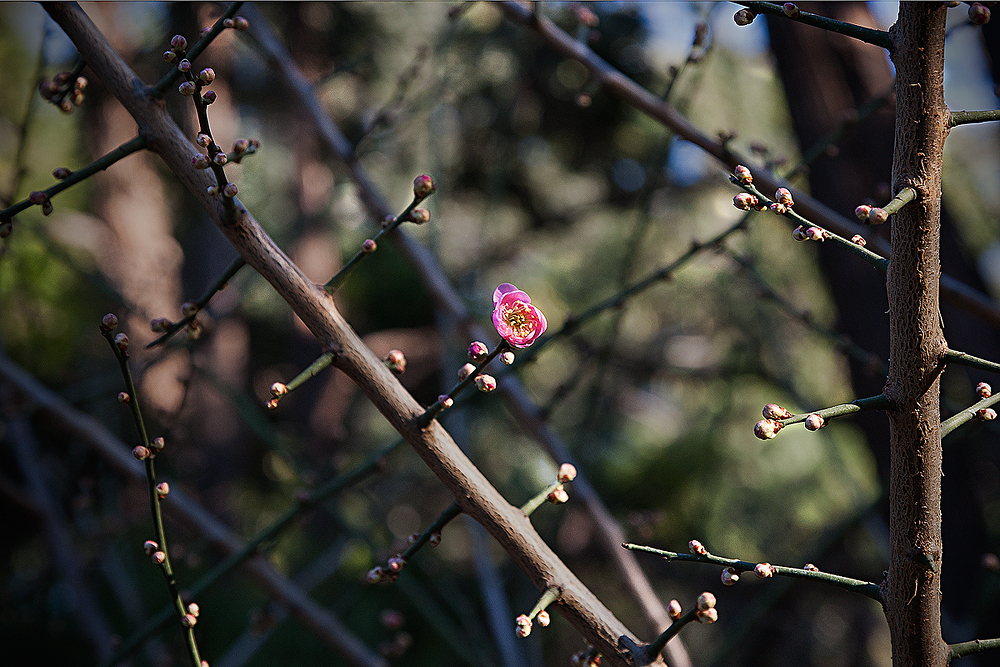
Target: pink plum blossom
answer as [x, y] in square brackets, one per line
[516, 320]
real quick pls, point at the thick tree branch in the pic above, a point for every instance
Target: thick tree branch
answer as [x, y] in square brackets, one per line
[473, 492]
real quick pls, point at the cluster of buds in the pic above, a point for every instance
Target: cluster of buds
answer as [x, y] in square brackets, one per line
[697, 548]
[278, 390]
[243, 147]
[41, 198]
[707, 613]
[986, 414]
[782, 201]
[558, 495]
[237, 23]
[191, 617]
[64, 90]
[811, 233]
[152, 549]
[389, 573]
[746, 201]
[433, 539]
[674, 610]
[871, 215]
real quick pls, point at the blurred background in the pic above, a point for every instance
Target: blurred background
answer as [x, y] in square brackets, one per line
[544, 181]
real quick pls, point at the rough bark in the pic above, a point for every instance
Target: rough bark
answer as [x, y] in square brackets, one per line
[912, 590]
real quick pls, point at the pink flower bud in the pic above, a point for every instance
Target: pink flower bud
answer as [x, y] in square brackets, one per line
[423, 185]
[419, 215]
[743, 174]
[194, 609]
[705, 601]
[799, 233]
[730, 576]
[228, 23]
[187, 88]
[744, 17]
[109, 322]
[230, 190]
[485, 383]
[170, 56]
[478, 351]
[434, 539]
[810, 567]
[369, 246]
[178, 43]
[979, 13]
[523, 626]
[149, 546]
[558, 495]
[816, 234]
[200, 161]
[61, 173]
[38, 197]
[763, 570]
[189, 308]
[220, 159]
[278, 389]
[784, 196]
[207, 75]
[159, 557]
[140, 453]
[396, 361]
[986, 414]
[272, 404]
[158, 444]
[543, 618]
[696, 547]
[778, 208]
[775, 411]
[209, 96]
[121, 342]
[567, 473]
[674, 609]
[123, 397]
[862, 212]
[766, 429]
[790, 9]
[240, 23]
[745, 201]
[814, 422]
[446, 400]
[506, 357]
[858, 239]
[877, 216]
[708, 616]
[241, 146]
[189, 620]
[984, 390]
[212, 190]
[376, 575]
[184, 65]
[465, 371]
[396, 563]
[162, 489]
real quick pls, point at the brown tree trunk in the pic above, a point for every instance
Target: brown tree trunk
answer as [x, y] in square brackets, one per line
[912, 590]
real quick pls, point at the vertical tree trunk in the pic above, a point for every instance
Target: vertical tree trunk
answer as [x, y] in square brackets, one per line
[912, 590]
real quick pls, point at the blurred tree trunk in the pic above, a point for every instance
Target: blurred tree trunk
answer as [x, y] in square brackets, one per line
[827, 77]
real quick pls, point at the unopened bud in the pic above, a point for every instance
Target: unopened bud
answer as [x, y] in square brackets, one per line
[206, 75]
[730, 576]
[149, 546]
[979, 14]
[778, 208]
[396, 563]
[6, 227]
[140, 453]
[434, 539]
[708, 616]
[170, 56]
[46, 207]
[159, 324]
[558, 495]
[775, 411]
[486, 383]
[784, 196]
[790, 9]
[178, 43]
[38, 197]
[187, 88]
[376, 575]
[396, 361]
[743, 174]
[984, 390]
[814, 422]
[109, 322]
[123, 397]
[184, 65]
[446, 400]
[744, 17]
[766, 429]
[696, 547]
[986, 414]
[674, 609]
[810, 567]
[816, 234]
[194, 609]
[567, 473]
[162, 489]
[61, 173]
[543, 618]
[278, 389]
[423, 185]
[507, 357]
[420, 215]
[240, 23]
[157, 444]
[862, 212]
[241, 146]
[209, 96]
[200, 161]
[369, 246]
[523, 626]
[465, 371]
[230, 190]
[745, 201]
[763, 570]
[121, 342]
[858, 239]
[189, 620]
[220, 159]
[705, 601]
[478, 351]
[158, 557]
[799, 234]
[877, 216]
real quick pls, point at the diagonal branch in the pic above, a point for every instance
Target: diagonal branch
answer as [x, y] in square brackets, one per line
[473, 492]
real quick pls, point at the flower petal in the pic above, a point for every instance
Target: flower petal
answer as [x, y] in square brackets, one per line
[504, 288]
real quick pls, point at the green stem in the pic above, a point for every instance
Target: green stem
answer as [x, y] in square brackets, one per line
[424, 420]
[867, 35]
[965, 117]
[550, 595]
[865, 588]
[539, 499]
[956, 651]
[963, 359]
[967, 415]
[657, 644]
[447, 515]
[902, 198]
[100, 164]
[880, 402]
